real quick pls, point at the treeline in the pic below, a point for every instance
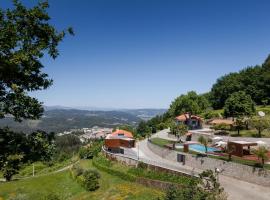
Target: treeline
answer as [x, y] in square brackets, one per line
[254, 81]
[237, 93]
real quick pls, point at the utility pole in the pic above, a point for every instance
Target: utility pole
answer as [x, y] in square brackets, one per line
[33, 169]
[138, 150]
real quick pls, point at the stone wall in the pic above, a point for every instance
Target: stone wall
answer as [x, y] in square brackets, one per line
[133, 162]
[162, 185]
[155, 183]
[235, 170]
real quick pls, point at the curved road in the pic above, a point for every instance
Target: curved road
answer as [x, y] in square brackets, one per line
[236, 189]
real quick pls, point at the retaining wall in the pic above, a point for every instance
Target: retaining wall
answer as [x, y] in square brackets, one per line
[235, 170]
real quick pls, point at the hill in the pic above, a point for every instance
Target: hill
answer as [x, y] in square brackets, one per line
[59, 120]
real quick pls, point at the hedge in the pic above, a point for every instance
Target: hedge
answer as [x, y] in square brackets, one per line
[122, 175]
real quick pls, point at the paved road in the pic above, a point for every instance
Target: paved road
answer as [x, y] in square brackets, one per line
[237, 190]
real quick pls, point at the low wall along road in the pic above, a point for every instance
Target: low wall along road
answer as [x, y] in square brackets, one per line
[235, 170]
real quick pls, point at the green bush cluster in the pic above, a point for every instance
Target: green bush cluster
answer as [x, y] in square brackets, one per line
[91, 150]
[89, 179]
[141, 170]
[99, 164]
[224, 127]
[157, 175]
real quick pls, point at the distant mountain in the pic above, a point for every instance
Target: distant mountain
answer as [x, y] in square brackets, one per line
[145, 114]
[59, 120]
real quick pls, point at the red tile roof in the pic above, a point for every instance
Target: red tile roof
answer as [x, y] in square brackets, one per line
[185, 116]
[122, 132]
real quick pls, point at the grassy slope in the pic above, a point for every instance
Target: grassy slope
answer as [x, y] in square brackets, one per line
[265, 109]
[160, 141]
[111, 188]
[250, 133]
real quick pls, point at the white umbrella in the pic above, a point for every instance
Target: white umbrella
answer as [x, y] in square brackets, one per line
[217, 138]
[261, 143]
[221, 143]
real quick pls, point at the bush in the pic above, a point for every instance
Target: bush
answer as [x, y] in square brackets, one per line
[91, 150]
[76, 171]
[142, 165]
[100, 164]
[210, 114]
[224, 127]
[86, 178]
[90, 180]
[221, 133]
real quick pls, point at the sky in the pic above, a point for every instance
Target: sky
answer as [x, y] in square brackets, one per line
[145, 53]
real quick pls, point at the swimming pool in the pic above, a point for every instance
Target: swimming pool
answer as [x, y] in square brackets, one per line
[201, 148]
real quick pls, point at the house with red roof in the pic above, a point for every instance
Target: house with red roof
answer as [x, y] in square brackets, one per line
[118, 140]
[192, 121]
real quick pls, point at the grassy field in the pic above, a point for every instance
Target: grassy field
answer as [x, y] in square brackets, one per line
[62, 185]
[250, 133]
[265, 109]
[160, 142]
[141, 172]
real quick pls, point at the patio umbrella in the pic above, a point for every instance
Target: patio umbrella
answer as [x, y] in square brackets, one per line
[216, 139]
[261, 143]
[221, 144]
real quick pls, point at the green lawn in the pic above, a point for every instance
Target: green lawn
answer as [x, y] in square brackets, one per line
[241, 161]
[141, 171]
[61, 184]
[250, 133]
[265, 109]
[160, 142]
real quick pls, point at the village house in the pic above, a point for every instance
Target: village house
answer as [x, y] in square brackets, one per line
[118, 139]
[192, 121]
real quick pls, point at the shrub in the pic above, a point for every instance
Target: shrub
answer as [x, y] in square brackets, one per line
[91, 150]
[142, 165]
[86, 178]
[90, 180]
[100, 164]
[76, 171]
[224, 127]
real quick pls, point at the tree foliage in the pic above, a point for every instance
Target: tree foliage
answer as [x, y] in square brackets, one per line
[259, 123]
[18, 148]
[178, 130]
[207, 188]
[254, 81]
[262, 154]
[90, 150]
[204, 141]
[25, 37]
[239, 104]
[191, 102]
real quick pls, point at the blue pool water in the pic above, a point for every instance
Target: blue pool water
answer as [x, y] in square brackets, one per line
[201, 148]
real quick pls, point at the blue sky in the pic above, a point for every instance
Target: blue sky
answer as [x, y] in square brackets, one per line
[144, 53]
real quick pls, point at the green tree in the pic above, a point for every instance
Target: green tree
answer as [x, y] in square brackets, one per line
[143, 129]
[239, 104]
[191, 102]
[259, 123]
[180, 130]
[11, 166]
[18, 148]
[254, 81]
[230, 150]
[262, 154]
[204, 141]
[25, 38]
[239, 124]
[207, 187]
